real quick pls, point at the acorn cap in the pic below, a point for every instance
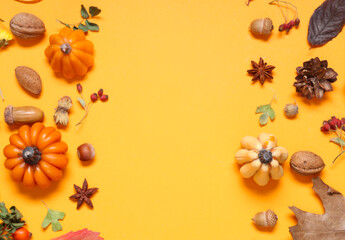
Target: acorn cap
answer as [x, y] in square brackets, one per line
[268, 26]
[9, 115]
[271, 218]
[290, 110]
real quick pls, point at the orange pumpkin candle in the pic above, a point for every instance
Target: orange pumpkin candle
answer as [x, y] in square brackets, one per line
[70, 53]
[36, 155]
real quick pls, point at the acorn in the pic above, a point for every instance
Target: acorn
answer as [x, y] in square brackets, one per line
[265, 219]
[23, 115]
[261, 27]
[291, 110]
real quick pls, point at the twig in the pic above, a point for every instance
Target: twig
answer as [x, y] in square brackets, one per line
[88, 108]
[2, 96]
[338, 156]
[287, 3]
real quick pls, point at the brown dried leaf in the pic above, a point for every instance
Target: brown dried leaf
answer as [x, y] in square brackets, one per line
[327, 226]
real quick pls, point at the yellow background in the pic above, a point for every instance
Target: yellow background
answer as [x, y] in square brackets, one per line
[180, 100]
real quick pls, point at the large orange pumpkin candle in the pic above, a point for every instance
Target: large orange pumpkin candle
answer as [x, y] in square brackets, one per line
[70, 53]
[36, 155]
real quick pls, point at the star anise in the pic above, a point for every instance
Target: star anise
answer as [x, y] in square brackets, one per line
[83, 194]
[261, 71]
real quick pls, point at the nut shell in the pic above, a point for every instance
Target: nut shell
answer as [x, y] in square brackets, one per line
[86, 152]
[29, 79]
[306, 163]
[26, 26]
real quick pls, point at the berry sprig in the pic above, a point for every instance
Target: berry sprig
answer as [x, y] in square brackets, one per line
[93, 98]
[288, 24]
[337, 127]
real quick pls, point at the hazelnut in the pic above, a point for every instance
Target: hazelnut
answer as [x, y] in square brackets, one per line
[86, 152]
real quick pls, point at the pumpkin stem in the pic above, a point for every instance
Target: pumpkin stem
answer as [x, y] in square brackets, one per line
[66, 48]
[32, 155]
[265, 156]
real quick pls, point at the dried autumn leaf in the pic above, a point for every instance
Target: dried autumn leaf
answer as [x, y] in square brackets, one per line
[80, 235]
[326, 22]
[327, 226]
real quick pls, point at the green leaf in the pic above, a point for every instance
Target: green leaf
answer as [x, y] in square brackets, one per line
[263, 119]
[267, 111]
[16, 212]
[3, 207]
[84, 13]
[263, 108]
[18, 225]
[338, 141]
[82, 102]
[94, 11]
[82, 27]
[92, 26]
[53, 218]
[271, 113]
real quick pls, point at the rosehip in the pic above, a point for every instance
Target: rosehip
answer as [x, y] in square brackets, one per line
[79, 88]
[342, 121]
[333, 123]
[326, 126]
[281, 28]
[94, 97]
[104, 98]
[100, 92]
[339, 123]
[297, 22]
[21, 234]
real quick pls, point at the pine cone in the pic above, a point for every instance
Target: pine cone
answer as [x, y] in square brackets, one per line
[314, 78]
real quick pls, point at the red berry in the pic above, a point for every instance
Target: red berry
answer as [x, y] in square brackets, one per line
[288, 26]
[100, 92]
[297, 22]
[21, 234]
[292, 23]
[94, 97]
[326, 126]
[281, 27]
[79, 88]
[339, 123]
[342, 121]
[104, 98]
[333, 123]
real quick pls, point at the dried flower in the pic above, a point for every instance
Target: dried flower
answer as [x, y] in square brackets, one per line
[314, 78]
[5, 38]
[61, 112]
